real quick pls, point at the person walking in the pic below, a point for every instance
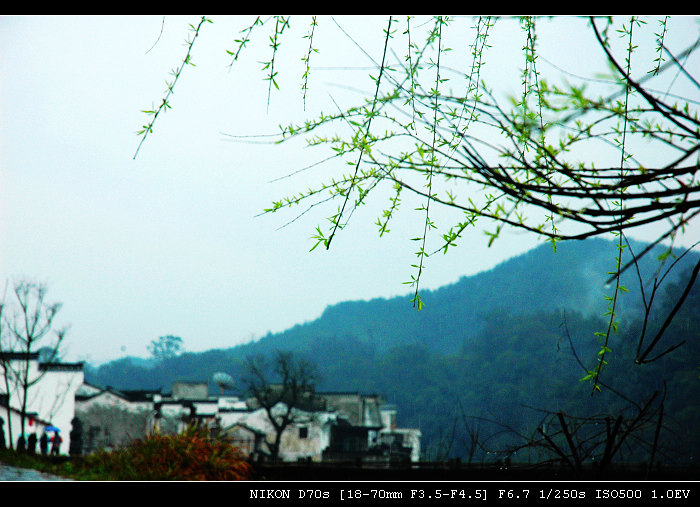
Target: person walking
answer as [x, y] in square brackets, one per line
[31, 444]
[44, 444]
[55, 443]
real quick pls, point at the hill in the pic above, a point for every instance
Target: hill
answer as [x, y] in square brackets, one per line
[573, 278]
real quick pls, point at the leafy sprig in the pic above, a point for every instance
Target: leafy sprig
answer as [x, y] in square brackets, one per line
[164, 105]
[307, 58]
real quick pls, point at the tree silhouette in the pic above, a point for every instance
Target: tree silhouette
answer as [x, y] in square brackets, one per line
[282, 387]
[165, 347]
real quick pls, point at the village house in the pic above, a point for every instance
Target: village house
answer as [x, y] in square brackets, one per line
[398, 441]
[337, 426]
[304, 439]
[50, 398]
[367, 430]
[112, 418]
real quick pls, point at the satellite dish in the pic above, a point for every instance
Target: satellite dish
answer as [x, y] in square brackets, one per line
[223, 380]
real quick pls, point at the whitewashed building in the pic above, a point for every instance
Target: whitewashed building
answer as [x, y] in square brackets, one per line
[50, 396]
[394, 437]
[306, 438]
[111, 418]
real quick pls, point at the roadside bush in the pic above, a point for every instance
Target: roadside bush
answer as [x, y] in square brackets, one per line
[189, 456]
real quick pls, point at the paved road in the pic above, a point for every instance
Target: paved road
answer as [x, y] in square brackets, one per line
[9, 473]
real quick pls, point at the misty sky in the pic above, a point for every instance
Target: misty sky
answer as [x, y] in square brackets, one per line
[170, 242]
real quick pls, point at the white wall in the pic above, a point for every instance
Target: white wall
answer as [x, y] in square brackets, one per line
[292, 447]
[52, 398]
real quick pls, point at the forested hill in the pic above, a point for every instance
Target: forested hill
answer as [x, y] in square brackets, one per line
[541, 280]
[488, 344]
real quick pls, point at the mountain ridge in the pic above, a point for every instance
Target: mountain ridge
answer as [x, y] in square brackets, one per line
[497, 289]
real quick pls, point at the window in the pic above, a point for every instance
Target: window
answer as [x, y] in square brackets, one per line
[303, 432]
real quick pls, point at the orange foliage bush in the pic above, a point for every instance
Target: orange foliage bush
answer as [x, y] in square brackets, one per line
[189, 456]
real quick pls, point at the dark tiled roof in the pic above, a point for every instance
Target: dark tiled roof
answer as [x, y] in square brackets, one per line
[62, 366]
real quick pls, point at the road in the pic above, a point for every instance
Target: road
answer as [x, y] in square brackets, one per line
[10, 473]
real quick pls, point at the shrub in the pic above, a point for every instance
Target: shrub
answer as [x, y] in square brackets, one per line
[189, 456]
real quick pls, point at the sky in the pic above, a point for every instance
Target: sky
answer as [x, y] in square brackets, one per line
[171, 242]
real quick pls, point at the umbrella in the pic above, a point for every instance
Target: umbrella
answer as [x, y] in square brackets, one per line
[52, 428]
